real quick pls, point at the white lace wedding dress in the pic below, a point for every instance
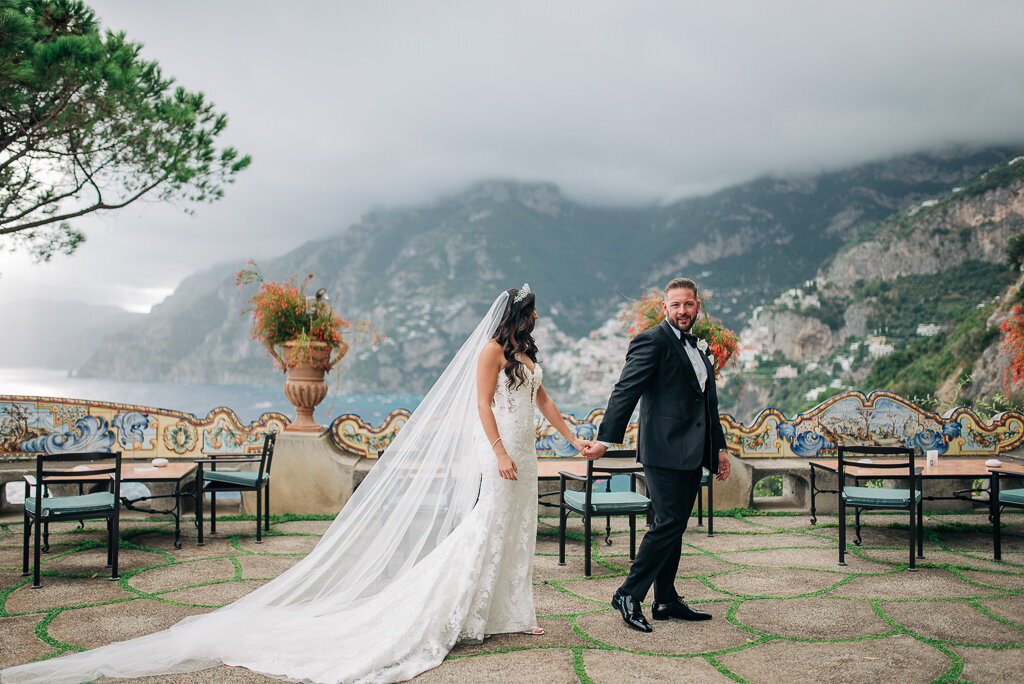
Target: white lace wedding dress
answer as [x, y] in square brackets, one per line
[434, 547]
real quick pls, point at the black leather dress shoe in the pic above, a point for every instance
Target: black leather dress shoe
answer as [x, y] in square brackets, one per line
[631, 614]
[679, 610]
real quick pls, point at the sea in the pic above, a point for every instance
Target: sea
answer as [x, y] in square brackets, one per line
[249, 402]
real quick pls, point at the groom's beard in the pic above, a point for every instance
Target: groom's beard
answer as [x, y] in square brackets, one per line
[683, 323]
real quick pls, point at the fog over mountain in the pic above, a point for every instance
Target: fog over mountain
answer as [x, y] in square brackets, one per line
[347, 106]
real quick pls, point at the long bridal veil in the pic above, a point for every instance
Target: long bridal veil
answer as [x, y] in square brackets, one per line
[409, 503]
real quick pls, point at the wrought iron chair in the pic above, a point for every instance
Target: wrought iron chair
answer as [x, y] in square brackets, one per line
[998, 499]
[257, 481]
[41, 510]
[616, 483]
[605, 494]
[892, 499]
[706, 480]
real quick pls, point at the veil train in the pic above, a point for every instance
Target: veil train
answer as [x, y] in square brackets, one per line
[353, 609]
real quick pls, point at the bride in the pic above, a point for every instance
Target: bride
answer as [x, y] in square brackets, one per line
[435, 546]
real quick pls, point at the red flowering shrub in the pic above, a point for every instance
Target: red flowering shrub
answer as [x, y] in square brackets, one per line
[647, 312]
[722, 342]
[1013, 344]
[282, 313]
[644, 313]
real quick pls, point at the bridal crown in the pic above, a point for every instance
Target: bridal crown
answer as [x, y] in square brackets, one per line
[521, 295]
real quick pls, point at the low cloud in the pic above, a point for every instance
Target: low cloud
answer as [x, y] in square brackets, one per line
[348, 106]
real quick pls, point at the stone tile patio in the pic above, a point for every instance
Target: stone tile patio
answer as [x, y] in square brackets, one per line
[783, 609]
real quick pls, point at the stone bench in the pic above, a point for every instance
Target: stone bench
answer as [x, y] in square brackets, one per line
[796, 482]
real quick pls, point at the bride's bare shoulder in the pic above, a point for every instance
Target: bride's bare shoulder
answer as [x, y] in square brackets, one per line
[493, 351]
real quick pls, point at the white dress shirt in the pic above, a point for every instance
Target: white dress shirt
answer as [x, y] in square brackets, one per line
[696, 359]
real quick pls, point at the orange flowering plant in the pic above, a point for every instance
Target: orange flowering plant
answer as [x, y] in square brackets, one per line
[284, 316]
[717, 341]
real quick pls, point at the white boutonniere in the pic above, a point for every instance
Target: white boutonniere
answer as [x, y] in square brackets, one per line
[702, 345]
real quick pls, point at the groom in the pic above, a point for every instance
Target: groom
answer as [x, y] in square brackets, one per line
[679, 432]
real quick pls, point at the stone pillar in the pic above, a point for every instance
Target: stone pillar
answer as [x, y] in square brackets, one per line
[735, 491]
[310, 475]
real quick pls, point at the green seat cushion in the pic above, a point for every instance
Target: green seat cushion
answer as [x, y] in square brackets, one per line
[1012, 496]
[243, 478]
[97, 503]
[607, 503]
[884, 498]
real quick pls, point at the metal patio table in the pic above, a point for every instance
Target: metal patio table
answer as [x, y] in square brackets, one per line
[947, 469]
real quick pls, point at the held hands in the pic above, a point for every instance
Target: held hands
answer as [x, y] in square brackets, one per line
[578, 444]
[594, 450]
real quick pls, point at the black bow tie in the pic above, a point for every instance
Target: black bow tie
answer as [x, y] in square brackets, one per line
[689, 338]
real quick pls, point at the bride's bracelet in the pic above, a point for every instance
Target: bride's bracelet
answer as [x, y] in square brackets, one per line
[495, 442]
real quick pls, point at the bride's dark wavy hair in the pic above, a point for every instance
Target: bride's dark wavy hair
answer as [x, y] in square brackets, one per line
[515, 335]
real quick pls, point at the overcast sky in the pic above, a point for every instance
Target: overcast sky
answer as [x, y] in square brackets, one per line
[347, 106]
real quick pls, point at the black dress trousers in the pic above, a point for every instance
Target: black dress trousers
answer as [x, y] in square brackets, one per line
[672, 492]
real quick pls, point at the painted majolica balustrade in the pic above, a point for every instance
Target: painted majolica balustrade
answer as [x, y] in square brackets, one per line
[880, 419]
[38, 424]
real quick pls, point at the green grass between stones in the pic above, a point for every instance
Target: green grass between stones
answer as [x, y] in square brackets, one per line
[696, 543]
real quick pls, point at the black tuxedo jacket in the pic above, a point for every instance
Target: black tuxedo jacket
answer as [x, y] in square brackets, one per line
[679, 425]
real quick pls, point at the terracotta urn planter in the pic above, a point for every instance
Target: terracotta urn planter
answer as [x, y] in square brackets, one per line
[305, 386]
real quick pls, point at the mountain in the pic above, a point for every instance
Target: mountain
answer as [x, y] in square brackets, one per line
[424, 275]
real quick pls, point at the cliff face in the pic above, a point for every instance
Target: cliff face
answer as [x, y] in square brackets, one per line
[976, 228]
[798, 337]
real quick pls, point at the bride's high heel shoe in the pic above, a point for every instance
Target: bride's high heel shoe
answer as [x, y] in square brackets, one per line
[534, 631]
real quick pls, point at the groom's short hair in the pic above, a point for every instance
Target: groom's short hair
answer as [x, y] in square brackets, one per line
[681, 283]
